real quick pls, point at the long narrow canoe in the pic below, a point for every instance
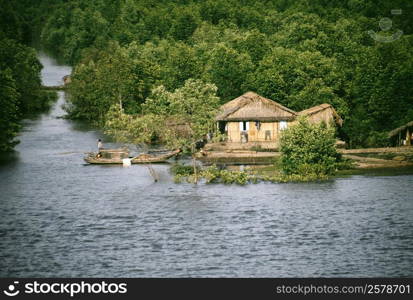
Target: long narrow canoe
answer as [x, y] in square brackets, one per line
[92, 158]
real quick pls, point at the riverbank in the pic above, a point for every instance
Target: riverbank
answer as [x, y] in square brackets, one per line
[239, 173]
[388, 170]
[237, 157]
[391, 157]
[366, 162]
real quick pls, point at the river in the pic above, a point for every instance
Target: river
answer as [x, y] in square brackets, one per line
[61, 218]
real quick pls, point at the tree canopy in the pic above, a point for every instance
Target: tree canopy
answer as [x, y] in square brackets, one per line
[178, 119]
[20, 84]
[299, 53]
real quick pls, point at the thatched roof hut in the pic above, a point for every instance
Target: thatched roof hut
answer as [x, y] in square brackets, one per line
[253, 107]
[398, 130]
[251, 118]
[323, 112]
[403, 135]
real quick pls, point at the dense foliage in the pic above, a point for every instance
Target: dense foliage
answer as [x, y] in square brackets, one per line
[177, 119]
[211, 174]
[309, 149]
[20, 86]
[299, 53]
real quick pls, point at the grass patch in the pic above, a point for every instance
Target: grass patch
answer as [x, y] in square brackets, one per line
[213, 174]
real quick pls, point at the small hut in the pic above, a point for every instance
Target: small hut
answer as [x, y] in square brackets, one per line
[322, 113]
[402, 136]
[253, 118]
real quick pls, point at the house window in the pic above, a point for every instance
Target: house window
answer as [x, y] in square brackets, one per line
[283, 125]
[243, 126]
[258, 125]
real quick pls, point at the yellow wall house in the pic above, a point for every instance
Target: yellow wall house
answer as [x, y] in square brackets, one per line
[259, 121]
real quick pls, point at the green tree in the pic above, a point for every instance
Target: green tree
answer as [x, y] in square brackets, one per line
[300, 53]
[191, 107]
[195, 105]
[380, 98]
[116, 75]
[228, 70]
[298, 79]
[9, 117]
[20, 87]
[215, 11]
[177, 61]
[184, 24]
[25, 67]
[309, 149]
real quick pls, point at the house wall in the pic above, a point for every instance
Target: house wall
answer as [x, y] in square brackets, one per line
[254, 135]
[233, 132]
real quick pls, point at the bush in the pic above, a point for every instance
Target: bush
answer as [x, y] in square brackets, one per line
[215, 175]
[182, 170]
[377, 139]
[345, 164]
[309, 149]
[211, 174]
[294, 178]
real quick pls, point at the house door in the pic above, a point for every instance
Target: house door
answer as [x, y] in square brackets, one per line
[244, 126]
[222, 127]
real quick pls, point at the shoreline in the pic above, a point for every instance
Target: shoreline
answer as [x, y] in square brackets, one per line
[377, 163]
[370, 158]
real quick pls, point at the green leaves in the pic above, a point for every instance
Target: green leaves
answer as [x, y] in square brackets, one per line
[211, 175]
[20, 88]
[134, 129]
[299, 53]
[228, 68]
[117, 75]
[177, 119]
[298, 80]
[309, 149]
[9, 99]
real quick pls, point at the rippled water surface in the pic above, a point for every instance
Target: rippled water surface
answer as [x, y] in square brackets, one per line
[59, 217]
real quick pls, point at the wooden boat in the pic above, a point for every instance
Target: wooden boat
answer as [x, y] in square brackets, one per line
[149, 158]
[107, 156]
[116, 156]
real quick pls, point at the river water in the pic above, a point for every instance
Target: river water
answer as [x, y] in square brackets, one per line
[59, 217]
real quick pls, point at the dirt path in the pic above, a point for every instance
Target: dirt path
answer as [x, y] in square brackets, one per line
[362, 162]
[369, 162]
[378, 150]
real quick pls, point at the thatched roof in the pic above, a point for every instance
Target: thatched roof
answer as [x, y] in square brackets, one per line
[401, 128]
[253, 107]
[320, 109]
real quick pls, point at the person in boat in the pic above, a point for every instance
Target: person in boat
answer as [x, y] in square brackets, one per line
[100, 147]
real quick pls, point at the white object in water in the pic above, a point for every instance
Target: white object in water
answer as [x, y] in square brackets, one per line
[126, 162]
